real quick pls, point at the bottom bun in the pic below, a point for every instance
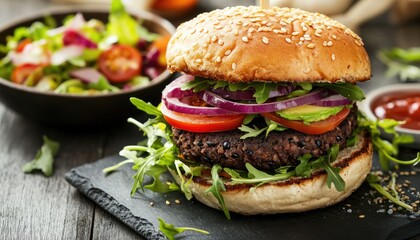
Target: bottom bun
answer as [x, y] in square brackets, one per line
[295, 194]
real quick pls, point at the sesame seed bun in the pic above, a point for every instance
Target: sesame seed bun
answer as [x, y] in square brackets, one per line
[295, 194]
[242, 44]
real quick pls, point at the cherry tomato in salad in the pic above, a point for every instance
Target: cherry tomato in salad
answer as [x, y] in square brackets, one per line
[312, 128]
[196, 123]
[120, 63]
[22, 72]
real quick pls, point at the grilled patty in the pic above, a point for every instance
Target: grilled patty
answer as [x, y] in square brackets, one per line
[265, 153]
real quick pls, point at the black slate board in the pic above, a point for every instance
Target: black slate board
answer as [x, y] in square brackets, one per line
[340, 221]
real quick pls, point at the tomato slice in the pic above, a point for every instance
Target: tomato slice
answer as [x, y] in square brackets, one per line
[201, 124]
[21, 73]
[313, 128]
[120, 63]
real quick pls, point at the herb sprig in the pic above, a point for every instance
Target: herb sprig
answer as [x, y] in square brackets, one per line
[401, 62]
[169, 230]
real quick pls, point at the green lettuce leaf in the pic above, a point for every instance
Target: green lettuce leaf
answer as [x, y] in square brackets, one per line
[121, 24]
[44, 159]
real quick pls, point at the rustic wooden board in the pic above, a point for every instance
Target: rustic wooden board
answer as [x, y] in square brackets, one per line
[112, 193]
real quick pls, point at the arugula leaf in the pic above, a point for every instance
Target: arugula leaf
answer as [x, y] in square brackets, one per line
[251, 132]
[258, 177]
[348, 90]
[403, 69]
[262, 91]
[216, 187]
[386, 150]
[121, 24]
[304, 168]
[169, 230]
[146, 107]
[405, 55]
[44, 159]
[374, 182]
[184, 185]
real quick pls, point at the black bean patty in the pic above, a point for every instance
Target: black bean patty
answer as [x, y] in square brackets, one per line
[265, 153]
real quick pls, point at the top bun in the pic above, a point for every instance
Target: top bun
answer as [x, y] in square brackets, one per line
[242, 44]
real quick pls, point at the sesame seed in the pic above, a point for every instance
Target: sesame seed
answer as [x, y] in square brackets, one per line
[216, 22]
[330, 43]
[244, 39]
[251, 30]
[253, 20]
[214, 39]
[152, 203]
[357, 43]
[283, 30]
[333, 57]
[233, 66]
[168, 202]
[218, 59]
[306, 70]
[335, 37]
[218, 27]
[295, 33]
[288, 40]
[265, 40]
[207, 56]
[283, 23]
[221, 42]
[198, 60]
[245, 24]
[236, 32]
[310, 45]
[228, 52]
[324, 43]
[177, 201]
[362, 216]
[193, 31]
[317, 34]
[276, 31]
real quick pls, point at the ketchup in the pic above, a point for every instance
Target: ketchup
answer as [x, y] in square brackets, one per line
[401, 107]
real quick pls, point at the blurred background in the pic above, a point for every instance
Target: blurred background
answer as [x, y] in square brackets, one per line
[352, 13]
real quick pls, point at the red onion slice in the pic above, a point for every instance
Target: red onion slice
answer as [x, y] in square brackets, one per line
[252, 108]
[173, 90]
[249, 94]
[87, 75]
[66, 53]
[73, 37]
[333, 101]
[176, 105]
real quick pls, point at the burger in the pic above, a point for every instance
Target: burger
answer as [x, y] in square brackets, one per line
[263, 119]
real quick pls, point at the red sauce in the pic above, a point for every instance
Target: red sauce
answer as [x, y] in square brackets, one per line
[401, 107]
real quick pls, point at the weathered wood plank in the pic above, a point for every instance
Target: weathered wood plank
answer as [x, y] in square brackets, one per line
[31, 205]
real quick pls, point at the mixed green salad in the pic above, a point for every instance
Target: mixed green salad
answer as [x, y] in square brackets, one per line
[84, 56]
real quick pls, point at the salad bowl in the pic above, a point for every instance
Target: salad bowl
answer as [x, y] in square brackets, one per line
[80, 110]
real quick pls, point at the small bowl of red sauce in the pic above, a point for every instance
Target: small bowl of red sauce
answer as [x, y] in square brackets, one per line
[397, 101]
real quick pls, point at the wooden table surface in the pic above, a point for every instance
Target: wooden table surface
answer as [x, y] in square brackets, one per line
[36, 207]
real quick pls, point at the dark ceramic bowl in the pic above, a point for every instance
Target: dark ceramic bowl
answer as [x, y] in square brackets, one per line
[77, 110]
